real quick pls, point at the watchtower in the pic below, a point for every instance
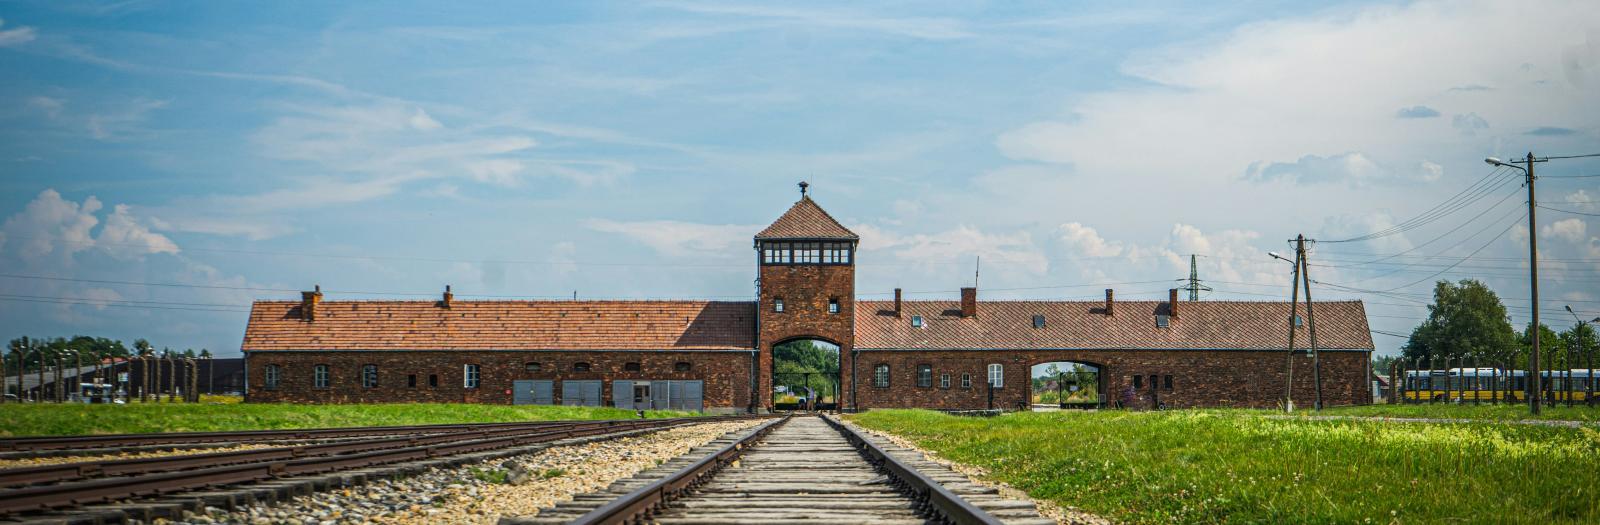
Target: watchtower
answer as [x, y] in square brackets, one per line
[806, 262]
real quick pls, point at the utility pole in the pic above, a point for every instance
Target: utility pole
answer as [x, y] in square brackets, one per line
[1533, 277]
[1311, 322]
[1194, 286]
[1294, 313]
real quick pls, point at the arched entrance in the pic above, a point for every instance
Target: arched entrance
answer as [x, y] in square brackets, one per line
[805, 375]
[1059, 385]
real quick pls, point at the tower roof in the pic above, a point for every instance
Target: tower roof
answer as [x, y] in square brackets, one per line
[806, 220]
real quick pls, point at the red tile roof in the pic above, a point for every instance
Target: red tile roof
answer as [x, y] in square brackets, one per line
[503, 325]
[1083, 325]
[806, 220]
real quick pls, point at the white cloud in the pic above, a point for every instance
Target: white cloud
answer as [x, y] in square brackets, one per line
[421, 120]
[815, 16]
[52, 226]
[1570, 230]
[677, 239]
[12, 37]
[125, 238]
[1085, 240]
[958, 245]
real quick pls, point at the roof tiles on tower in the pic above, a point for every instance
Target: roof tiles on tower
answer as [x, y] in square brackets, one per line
[806, 220]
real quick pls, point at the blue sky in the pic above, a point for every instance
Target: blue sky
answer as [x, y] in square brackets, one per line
[164, 164]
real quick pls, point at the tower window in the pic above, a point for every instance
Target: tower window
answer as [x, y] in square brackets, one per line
[916, 321]
[836, 253]
[807, 253]
[777, 305]
[833, 305]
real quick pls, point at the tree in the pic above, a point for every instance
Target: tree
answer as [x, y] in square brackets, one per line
[795, 359]
[1550, 346]
[1466, 319]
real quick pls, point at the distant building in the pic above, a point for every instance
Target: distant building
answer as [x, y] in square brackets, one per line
[717, 355]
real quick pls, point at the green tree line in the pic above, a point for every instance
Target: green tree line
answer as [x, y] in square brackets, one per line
[1467, 325]
[30, 351]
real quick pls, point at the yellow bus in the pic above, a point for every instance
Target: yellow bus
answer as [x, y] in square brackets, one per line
[1487, 384]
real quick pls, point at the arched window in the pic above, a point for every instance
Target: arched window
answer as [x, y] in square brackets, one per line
[369, 376]
[997, 376]
[880, 376]
[271, 374]
[682, 366]
[319, 376]
[580, 366]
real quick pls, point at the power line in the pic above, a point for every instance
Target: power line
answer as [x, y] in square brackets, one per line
[1464, 198]
[1569, 211]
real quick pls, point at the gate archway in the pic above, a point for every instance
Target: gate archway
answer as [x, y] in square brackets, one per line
[1058, 385]
[805, 374]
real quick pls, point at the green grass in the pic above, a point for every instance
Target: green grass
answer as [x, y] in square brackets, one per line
[1465, 411]
[1225, 466]
[77, 419]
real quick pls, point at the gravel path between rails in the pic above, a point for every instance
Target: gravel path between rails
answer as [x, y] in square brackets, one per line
[481, 493]
[57, 460]
[1062, 515]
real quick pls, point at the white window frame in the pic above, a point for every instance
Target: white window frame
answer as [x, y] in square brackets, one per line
[469, 376]
[944, 380]
[833, 305]
[880, 376]
[777, 305]
[917, 322]
[270, 377]
[321, 376]
[966, 380]
[997, 375]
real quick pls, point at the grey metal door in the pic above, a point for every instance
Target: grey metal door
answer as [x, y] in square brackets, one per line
[622, 394]
[543, 392]
[580, 393]
[660, 395]
[694, 395]
[522, 392]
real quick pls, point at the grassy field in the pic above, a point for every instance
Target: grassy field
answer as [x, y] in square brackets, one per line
[72, 419]
[1467, 411]
[1219, 466]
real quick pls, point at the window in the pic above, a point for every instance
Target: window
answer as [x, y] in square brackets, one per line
[319, 376]
[1299, 321]
[807, 253]
[369, 376]
[944, 380]
[916, 321]
[924, 376]
[880, 376]
[836, 253]
[580, 366]
[433, 381]
[1038, 321]
[469, 376]
[630, 367]
[1166, 382]
[682, 366]
[966, 380]
[997, 376]
[271, 372]
[532, 367]
[1162, 321]
[833, 305]
[1138, 382]
[411, 381]
[776, 253]
[777, 305]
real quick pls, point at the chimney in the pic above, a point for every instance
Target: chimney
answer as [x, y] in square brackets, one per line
[969, 302]
[1109, 302]
[1172, 302]
[309, 302]
[447, 297]
[896, 303]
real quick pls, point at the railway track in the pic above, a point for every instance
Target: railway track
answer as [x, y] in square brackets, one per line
[112, 441]
[288, 470]
[796, 470]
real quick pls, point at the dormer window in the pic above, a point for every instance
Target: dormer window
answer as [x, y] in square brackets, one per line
[777, 305]
[1299, 321]
[916, 321]
[833, 305]
[1038, 322]
[1162, 320]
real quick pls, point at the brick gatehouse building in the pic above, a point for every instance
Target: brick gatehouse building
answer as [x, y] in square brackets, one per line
[717, 355]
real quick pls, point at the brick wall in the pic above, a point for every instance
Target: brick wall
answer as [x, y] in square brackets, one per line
[1199, 378]
[805, 290]
[726, 374]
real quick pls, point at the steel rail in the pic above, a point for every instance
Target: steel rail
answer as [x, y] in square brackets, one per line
[40, 443]
[953, 508]
[124, 467]
[636, 505]
[109, 489]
